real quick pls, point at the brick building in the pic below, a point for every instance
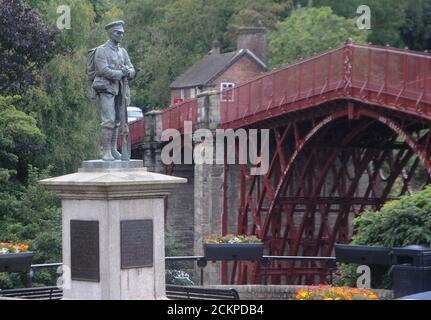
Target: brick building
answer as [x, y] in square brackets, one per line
[218, 71]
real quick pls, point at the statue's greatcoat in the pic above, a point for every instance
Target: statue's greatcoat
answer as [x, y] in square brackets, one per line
[109, 60]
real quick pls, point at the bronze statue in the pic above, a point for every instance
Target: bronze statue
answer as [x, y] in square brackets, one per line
[112, 70]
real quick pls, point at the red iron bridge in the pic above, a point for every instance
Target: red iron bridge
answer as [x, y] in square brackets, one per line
[349, 130]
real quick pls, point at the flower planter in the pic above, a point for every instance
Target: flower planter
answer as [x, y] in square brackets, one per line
[233, 251]
[16, 262]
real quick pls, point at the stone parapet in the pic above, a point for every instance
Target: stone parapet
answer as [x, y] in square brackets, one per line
[153, 126]
[208, 116]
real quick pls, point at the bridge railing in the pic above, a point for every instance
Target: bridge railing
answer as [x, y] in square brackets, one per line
[174, 116]
[137, 133]
[391, 77]
[304, 79]
[382, 75]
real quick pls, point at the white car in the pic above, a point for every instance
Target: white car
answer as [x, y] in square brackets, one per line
[134, 113]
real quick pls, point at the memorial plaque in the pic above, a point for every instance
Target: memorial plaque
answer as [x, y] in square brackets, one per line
[84, 250]
[136, 244]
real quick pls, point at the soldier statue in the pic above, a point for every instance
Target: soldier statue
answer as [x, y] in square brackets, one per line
[112, 70]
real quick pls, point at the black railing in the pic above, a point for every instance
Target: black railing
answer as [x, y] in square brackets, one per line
[331, 264]
[265, 263]
[36, 267]
[201, 262]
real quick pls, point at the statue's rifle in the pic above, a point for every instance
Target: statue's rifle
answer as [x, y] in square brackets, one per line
[125, 133]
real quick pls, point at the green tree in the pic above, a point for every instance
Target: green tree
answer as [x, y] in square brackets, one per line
[399, 223]
[387, 19]
[19, 137]
[416, 32]
[396, 23]
[254, 13]
[82, 21]
[165, 38]
[168, 36]
[30, 214]
[65, 113]
[310, 30]
[26, 45]
[60, 102]
[27, 212]
[346, 8]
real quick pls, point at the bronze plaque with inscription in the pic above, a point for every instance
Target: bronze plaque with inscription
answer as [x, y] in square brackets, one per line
[84, 250]
[136, 244]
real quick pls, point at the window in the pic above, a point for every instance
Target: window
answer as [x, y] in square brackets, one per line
[226, 90]
[194, 92]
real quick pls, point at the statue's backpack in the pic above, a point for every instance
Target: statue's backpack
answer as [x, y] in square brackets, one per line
[90, 68]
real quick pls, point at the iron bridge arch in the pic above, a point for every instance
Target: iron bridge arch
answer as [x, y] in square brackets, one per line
[328, 164]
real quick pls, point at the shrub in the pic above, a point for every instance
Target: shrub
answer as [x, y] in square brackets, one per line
[399, 223]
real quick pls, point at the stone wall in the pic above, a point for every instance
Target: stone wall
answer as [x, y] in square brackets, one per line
[180, 210]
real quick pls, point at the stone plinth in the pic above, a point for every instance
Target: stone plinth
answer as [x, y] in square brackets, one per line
[92, 165]
[124, 209]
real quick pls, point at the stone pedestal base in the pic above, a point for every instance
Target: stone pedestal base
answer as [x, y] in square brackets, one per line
[113, 231]
[93, 165]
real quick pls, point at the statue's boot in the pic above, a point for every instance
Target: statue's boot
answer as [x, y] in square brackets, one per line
[114, 151]
[106, 144]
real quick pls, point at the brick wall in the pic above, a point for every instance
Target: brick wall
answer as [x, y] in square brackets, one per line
[242, 70]
[253, 39]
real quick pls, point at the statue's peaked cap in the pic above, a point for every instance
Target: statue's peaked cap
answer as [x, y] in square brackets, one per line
[116, 24]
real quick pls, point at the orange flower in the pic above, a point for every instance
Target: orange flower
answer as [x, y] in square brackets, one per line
[323, 292]
[13, 247]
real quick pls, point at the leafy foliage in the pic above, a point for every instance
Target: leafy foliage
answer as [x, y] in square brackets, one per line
[416, 32]
[82, 22]
[31, 215]
[26, 45]
[169, 36]
[65, 113]
[399, 223]
[346, 8]
[309, 31]
[388, 17]
[19, 139]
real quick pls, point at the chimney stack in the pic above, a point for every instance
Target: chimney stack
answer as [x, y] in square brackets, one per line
[216, 47]
[253, 39]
